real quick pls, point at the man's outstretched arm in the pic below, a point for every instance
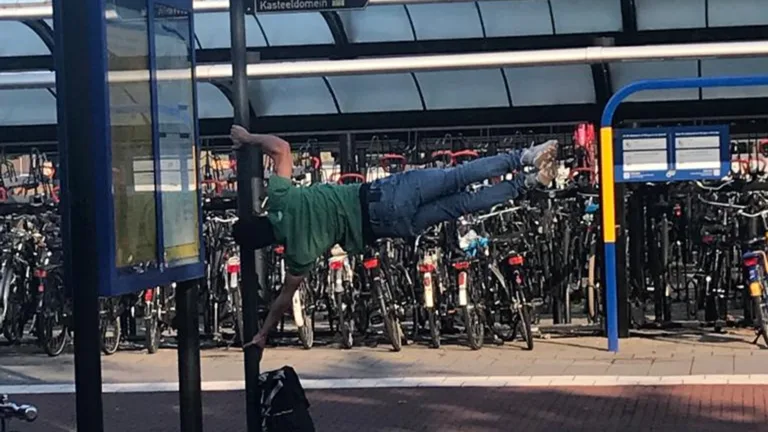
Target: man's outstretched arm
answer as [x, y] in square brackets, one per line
[278, 149]
[281, 305]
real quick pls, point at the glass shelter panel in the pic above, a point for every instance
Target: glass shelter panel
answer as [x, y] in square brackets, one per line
[176, 135]
[133, 167]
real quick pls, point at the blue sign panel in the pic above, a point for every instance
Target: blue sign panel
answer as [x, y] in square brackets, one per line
[144, 164]
[671, 154]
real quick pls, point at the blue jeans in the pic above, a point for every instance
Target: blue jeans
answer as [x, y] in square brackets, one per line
[405, 204]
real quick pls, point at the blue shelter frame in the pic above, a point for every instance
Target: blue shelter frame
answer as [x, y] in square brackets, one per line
[88, 198]
[607, 180]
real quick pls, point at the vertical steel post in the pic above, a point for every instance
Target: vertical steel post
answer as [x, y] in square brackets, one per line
[250, 180]
[190, 386]
[346, 153]
[84, 131]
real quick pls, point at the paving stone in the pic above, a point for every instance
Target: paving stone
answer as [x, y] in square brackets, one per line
[705, 408]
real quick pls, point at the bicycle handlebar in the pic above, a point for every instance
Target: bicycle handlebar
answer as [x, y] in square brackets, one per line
[724, 205]
[499, 213]
[11, 410]
[712, 188]
[354, 176]
[229, 220]
[762, 213]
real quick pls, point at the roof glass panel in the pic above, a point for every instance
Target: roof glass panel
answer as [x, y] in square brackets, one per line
[446, 21]
[16, 39]
[306, 28]
[291, 96]
[463, 89]
[627, 73]
[212, 31]
[27, 107]
[516, 18]
[211, 102]
[586, 16]
[551, 85]
[737, 13]
[734, 67]
[376, 93]
[377, 24]
[670, 14]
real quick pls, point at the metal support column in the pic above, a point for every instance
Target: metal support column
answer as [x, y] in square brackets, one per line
[316, 173]
[622, 289]
[83, 142]
[250, 174]
[362, 161]
[190, 386]
[636, 233]
[346, 153]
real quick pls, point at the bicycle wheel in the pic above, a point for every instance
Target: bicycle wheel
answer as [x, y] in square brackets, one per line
[473, 323]
[761, 313]
[52, 329]
[236, 308]
[152, 330]
[303, 319]
[592, 307]
[525, 326]
[346, 322]
[391, 321]
[434, 327]
[110, 334]
[13, 324]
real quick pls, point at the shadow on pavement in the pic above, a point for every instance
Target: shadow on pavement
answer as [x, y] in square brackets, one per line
[692, 408]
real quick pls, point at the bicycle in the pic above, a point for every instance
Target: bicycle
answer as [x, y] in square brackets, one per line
[12, 411]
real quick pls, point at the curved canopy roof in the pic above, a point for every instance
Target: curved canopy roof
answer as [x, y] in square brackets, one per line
[427, 91]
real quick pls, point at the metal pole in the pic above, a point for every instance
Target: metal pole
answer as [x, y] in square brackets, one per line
[346, 153]
[43, 10]
[250, 173]
[381, 65]
[76, 22]
[190, 387]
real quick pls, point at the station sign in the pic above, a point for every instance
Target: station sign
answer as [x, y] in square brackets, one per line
[276, 6]
[671, 154]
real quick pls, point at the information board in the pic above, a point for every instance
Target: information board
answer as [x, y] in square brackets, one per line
[267, 6]
[671, 154]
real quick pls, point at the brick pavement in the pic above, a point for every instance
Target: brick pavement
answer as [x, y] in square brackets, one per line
[691, 354]
[690, 408]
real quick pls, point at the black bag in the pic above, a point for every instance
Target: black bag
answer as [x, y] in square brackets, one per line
[284, 405]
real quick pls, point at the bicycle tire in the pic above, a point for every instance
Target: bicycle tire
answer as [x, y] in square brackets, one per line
[110, 347]
[391, 321]
[761, 313]
[434, 328]
[473, 325]
[152, 333]
[591, 294]
[306, 332]
[53, 346]
[525, 327]
[237, 311]
[474, 328]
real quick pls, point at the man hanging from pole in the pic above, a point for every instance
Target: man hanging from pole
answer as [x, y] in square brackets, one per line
[309, 221]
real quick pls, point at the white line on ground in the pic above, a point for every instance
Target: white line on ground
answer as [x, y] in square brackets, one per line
[406, 382]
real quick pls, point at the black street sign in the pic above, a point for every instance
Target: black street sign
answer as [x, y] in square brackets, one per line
[272, 6]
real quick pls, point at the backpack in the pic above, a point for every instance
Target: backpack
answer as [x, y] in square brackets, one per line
[284, 405]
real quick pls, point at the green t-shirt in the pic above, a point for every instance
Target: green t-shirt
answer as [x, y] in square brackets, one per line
[308, 221]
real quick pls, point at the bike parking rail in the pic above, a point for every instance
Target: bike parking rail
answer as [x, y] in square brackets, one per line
[607, 180]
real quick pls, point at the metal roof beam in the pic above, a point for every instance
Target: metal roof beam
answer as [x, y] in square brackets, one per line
[502, 59]
[44, 9]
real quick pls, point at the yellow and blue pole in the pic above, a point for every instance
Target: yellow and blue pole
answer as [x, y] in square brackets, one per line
[608, 206]
[608, 182]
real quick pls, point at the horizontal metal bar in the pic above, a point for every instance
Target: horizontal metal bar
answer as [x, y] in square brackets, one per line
[294, 69]
[44, 10]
